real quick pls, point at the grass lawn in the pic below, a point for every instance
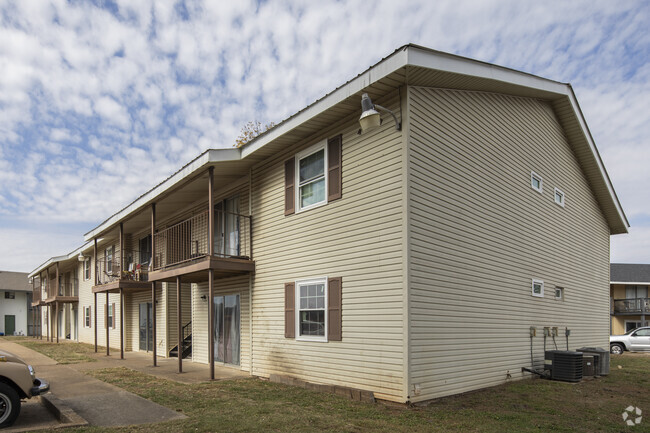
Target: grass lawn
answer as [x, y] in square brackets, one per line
[525, 406]
[63, 353]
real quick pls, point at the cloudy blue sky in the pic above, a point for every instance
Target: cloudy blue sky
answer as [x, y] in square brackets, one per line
[101, 100]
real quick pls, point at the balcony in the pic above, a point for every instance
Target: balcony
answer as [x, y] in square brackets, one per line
[36, 297]
[184, 248]
[68, 291]
[632, 306]
[128, 269]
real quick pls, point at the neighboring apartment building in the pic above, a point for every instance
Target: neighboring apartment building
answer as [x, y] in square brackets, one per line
[630, 304]
[410, 259]
[15, 304]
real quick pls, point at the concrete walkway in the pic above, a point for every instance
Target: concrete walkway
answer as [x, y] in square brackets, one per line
[167, 367]
[99, 403]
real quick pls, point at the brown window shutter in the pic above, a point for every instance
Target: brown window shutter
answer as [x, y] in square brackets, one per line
[289, 188]
[334, 316]
[334, 175]
[289, 310]
[105, 316]
[113, 308]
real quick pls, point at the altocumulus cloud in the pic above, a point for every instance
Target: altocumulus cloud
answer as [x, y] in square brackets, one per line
[88, 89]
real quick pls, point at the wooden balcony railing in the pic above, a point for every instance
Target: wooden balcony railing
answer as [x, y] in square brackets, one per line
[636, 305]
[130, 266]
[36, 295]
[69, 288]
[189, 239]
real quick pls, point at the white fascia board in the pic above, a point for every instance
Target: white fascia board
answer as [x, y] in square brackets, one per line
[594, 151]
[47, 264]
[208, 157]
[459, 65]
[387, 66]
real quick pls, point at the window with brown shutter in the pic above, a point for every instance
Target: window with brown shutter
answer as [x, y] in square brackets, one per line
[334, 316]
[289, 310]
[334, 179]
[307, 314]
[105, 316]
[113, 315]
[289, 191]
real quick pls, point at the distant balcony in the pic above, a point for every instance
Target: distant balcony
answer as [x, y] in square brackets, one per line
[632, 306]
[130, 266]
[70, 288]
[36, 297]
[183, 248]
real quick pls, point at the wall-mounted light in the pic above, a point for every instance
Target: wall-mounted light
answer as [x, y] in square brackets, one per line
[370, 117]
[204, 297]
[81, 257]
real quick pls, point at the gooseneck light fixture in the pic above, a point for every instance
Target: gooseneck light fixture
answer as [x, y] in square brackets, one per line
[370, 117]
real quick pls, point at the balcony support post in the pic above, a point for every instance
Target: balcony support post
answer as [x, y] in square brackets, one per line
[95, 294]
[152, 266]
[153, 321]
[180, 326]
[121, 250]
[121, 321]
[47, 322]
[108, 349]
[58, 283]
[211, 322]
[210, 271]
[643, 323]
[56, 319]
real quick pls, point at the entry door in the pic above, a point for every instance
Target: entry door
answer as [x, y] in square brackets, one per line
[226, 329]
[10, 325]
[75, 323]
[146, 327]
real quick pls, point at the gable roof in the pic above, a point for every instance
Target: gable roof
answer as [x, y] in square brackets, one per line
[629, 273]
[408, 65]
[14, 282]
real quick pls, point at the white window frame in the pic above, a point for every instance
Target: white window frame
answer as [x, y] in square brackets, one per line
[561, 297]
[298, 283]
[87, 263]
[303, 154]
[534, 175]
[110, 316]
[87, 318]
[532, 288]
[555, 194]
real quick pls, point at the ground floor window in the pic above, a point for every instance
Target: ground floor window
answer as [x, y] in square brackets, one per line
[311, 305]
[227, 313]
[630, 325]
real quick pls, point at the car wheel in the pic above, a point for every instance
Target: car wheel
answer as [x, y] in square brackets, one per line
[616, 349]
[9, 405]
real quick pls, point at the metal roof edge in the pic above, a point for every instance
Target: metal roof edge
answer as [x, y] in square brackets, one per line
[209, 156]
[629, 282]
[56, 259]
[601, 167]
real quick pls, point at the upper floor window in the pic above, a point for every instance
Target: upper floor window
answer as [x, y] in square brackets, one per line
[538, 288]
[636, 292]
[10, 295]
[536, 182]
[559, 197]
[87, 268]
[311, 177]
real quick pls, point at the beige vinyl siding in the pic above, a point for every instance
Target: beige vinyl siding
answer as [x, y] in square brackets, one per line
[479, 233]
[86, 299]
[358, 238]
[226, 286]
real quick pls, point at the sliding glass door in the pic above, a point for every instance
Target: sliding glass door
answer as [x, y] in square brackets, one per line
[146, 327]
[226, 329]
[226, 223]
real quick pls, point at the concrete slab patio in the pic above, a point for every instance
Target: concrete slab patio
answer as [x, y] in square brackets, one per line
[97, 402]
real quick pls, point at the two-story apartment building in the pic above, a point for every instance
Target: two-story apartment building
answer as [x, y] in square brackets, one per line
[16, 314]
[630, 303]
[409, 257]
